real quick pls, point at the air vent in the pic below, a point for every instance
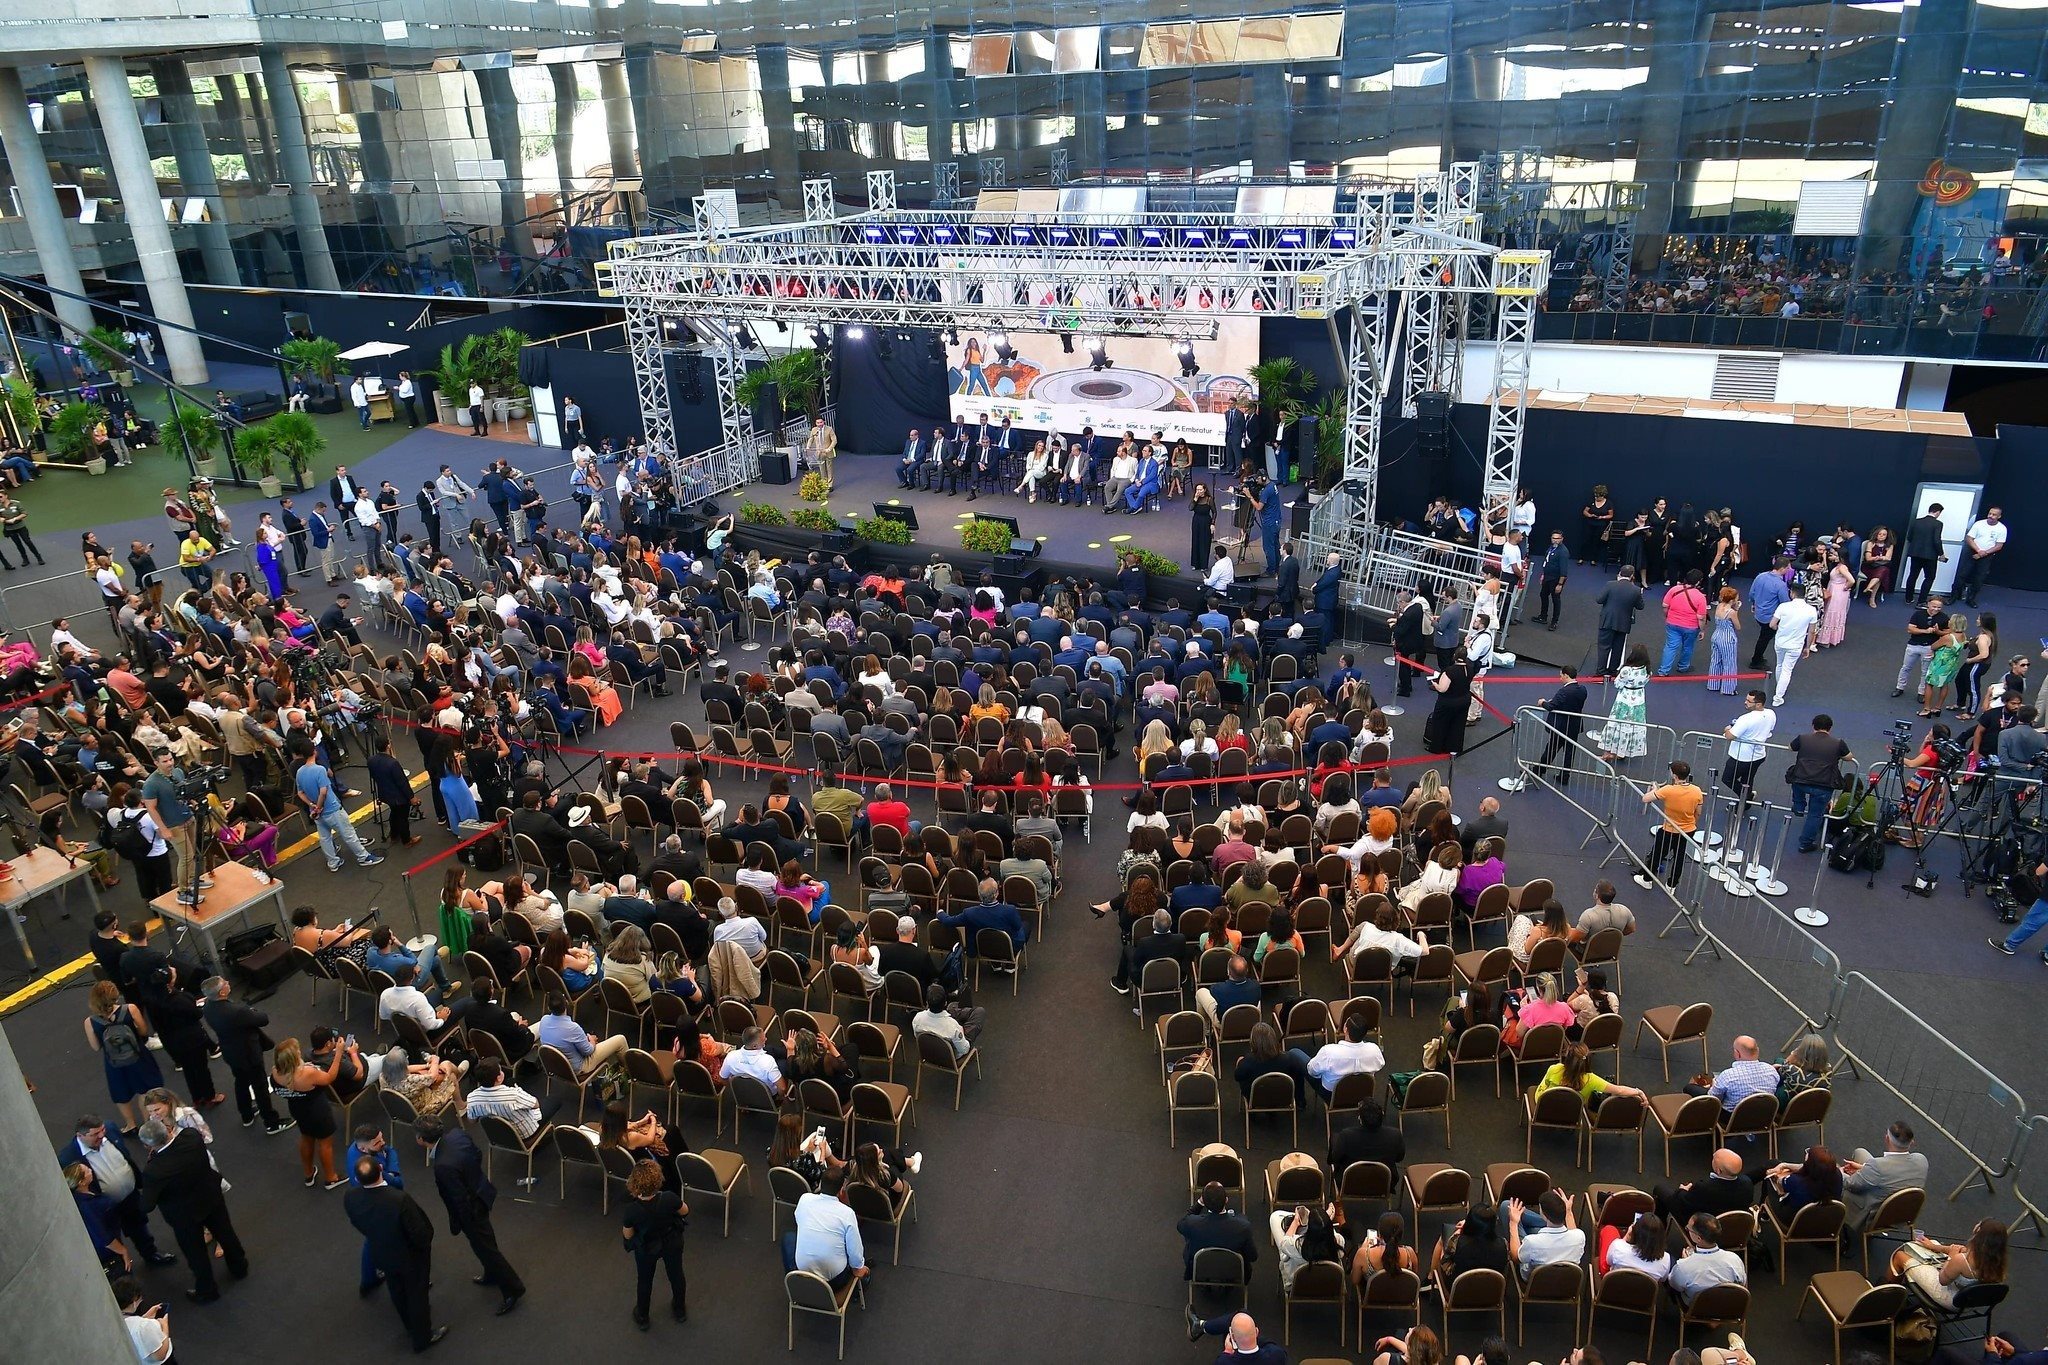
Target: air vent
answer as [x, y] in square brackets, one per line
[1746, 375]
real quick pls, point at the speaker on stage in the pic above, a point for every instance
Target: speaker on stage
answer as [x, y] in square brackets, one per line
[1433, 434]
[774, 466]
[1297, 523]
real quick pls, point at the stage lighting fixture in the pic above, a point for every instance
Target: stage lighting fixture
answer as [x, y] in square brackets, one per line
[743, 337]
[1098, 354]
[885, 345]
[999, 342]
[856, 333]
[1067, 343]
[1189, 366]
[821, 339]
[938, 350]
[952, 336]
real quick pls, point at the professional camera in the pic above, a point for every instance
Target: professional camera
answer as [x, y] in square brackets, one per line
[199, 783]
[1950, 752]
[1900, 740]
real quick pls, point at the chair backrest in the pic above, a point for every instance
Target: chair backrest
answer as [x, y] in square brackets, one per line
[1555, 1282]
[1602, 1031]
[1393, 1289]
[1237, 1024]
[1692, 1022]
[1266, 1095]
[1218, 1265]
[1317, 1281]
[1543, 1041]
[1298, 1185]
[1752, 1114]
[1479, 1043]
[1546, 956]
[1619, 1113]
[500, 1133]
[1604, 946]
[1430, 1090]
[1365, 1180]
[1806, 1106]
[1720, 1303]
[1445, 1188]
[1476, 1290]
[1197, 1090]
[1819, 1221]
[1628, 1290]
[1526, 1184]
[932, 1050]
[1559, 1106]
[1901, 1208]
[1696, 1115]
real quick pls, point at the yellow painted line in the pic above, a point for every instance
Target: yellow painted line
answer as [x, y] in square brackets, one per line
[59, 977]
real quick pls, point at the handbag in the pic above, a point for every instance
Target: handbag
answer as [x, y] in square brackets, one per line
[1433, 1054]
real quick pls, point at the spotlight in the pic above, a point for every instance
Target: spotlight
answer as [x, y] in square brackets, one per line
[952, 336]
[1189, 367]
[856, 333]
[885, 344]
[743, 337]
[1067, 343]
[821, 339]
[999, 342]
[1098, 354]
[938, 350]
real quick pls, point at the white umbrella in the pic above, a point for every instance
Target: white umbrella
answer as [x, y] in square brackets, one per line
[371, 350]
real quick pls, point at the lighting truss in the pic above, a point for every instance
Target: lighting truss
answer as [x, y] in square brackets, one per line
[1411, 249]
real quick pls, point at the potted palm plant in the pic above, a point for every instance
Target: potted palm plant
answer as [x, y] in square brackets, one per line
[461, 364]
[113, 353]
[20, 396]
[1283, 383]
[257, 447]
[71, 436]
[192, 428]
[315, 356]
[501, 358]
[296, 438]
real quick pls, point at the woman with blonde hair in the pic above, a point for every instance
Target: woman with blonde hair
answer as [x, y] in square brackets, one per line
[1439, 874]
[1429, 787]
[986, 705]
[1156, 740]
[1053, 735]
[1198, 741]
[117, 1030]
[306, 1096]
[1230, 734]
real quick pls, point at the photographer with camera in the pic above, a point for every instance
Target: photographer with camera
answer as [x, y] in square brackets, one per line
[168, 796]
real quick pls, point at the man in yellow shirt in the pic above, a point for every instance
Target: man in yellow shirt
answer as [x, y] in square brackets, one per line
[195, 559]
[1680, 800]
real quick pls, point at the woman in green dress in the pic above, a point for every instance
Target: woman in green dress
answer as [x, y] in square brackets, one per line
[1625, 734]
[1943, 664]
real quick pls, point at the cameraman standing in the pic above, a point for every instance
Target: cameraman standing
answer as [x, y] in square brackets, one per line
[164, 799]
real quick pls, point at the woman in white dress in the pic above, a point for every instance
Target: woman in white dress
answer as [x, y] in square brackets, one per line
[1036, 466]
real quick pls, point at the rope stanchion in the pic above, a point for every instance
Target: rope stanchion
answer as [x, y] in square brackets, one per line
[405, 878]
[33, 698]
[922, 784]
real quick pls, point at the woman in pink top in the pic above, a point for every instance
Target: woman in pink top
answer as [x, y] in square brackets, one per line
[1685, 606]
[804, 889]
[1543, 1007]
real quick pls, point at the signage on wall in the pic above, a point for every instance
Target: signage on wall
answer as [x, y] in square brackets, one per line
[1946, 184]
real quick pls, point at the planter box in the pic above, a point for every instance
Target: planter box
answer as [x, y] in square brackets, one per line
[444, 411]
[272, 486]
[96, 466]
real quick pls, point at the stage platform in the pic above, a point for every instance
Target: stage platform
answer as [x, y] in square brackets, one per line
[1070, 535]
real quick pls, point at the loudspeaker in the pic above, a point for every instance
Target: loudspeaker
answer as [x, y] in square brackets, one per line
[774, 467]
[1297, 523]
[1432, 412]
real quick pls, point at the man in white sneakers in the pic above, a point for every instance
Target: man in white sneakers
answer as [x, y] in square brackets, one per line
[1792, 625]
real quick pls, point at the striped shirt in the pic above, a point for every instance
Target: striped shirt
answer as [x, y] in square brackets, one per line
[1743, 1079]
[508, 1102]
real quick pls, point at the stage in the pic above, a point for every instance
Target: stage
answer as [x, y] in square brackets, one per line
[1070, 535]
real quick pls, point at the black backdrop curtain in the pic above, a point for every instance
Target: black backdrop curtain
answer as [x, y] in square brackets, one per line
[880, 400]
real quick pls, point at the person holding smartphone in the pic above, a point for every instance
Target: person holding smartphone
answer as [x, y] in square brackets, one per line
[148, 1328]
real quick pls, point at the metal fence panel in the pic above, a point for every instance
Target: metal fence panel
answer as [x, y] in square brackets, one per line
[1949, 1089]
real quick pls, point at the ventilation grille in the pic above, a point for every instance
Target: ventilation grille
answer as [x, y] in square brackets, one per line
[1749, 374]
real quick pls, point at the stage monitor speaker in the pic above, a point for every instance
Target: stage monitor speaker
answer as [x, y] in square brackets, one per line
[841, 542]
[1015, 576]
[774, 466]
[897, 512]
[1305, 440]
[1297, 523]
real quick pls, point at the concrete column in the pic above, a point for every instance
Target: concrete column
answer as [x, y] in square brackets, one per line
[195, 168]
[1678, 46]
[142, 207]
[46, 228]
[877, 94]
[53, 1297]
[288, 120]
[261, 152]
[643, 81]
[938, 106]
[501, 126]
[778, 111]
[618, 117]
[374, 148]
[1272, 118]
[563, 75]
[1915, 132]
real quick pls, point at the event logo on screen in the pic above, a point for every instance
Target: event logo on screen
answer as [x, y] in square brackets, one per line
[1039, 386]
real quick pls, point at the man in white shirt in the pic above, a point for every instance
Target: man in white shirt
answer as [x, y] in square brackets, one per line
[148, 1332]
[1703, 1261]
[359, 395]
[476, 411]
[1334, 1061]
[1558, 1240]
[1122, 470]
[415, 1004]
[826, 1241]
[745, 930]
[1747, 736]
[750, 1059]
[1985, 538]
[1793, 624]
[1222, 573]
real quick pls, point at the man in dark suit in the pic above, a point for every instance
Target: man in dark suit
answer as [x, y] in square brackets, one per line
[1164, 941]
[718, 687]
[181, 1184]
[102, 1150]
[294, 531]
[238, 1028]
[550, 835]
[400, 1238]
[1564, 709]
[342, 490]
[1367, 1140]
[468, 1194]
[1325, 592]
[1287, 590]
[1724, 1189]
[1210, 1223]
[1488, 824]
[430, 512]
[914, 453]
[1411, 639]
[1550, 576]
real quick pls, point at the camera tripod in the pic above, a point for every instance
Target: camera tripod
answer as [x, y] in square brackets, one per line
[2012, 837]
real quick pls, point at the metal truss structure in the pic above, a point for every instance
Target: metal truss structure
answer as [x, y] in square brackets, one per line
[1062, 168]
[992, 173]
[945, 184]
[1409, 254]
[1625, 204]
[820, 205]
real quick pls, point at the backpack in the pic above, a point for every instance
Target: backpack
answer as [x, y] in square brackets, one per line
[126, 838]
[119, 1042]
[1856, 849]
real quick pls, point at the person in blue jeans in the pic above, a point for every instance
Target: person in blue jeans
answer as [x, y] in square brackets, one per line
[2036, 918]
[330, 822]
[1815, 777]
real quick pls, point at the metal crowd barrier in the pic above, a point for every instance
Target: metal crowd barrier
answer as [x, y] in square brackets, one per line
[2030, 1208]
[1983, 1116]
[1728, 894]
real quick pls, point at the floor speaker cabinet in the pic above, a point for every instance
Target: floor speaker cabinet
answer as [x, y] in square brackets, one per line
[774, 466]
[1015, 576]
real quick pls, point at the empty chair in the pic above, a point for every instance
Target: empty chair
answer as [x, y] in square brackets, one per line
[1675, 1024]
[1852, 1302]
[811, 1293]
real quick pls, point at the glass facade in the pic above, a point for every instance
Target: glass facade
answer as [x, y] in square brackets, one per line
[1858, 176]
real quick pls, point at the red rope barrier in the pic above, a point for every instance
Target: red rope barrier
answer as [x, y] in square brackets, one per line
[453, 849]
